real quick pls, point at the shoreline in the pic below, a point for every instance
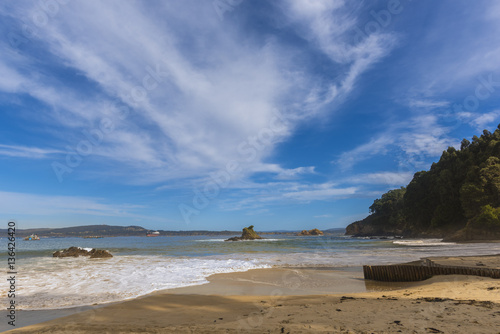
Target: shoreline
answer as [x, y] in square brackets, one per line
[235, 283]
[305, 299]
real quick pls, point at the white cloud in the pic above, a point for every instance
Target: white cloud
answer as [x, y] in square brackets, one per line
[426, 137]
[10, 80]
[454, 64]
[388, 178]
[201, 115]
[323, 216]
[484, 120]
[285, 174]
[418, 138]
[26, 152]
[376, 146]
[12, 203]
[253, 196]
[205, 111]
[321, 194]
[481, 121]
[222, 96]
[427, 104]
[330, 25]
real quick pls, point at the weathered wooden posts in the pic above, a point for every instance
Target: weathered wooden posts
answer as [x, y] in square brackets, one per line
[419, 272]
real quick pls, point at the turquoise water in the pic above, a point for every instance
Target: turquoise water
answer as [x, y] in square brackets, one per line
[141, 265]
[192, 246]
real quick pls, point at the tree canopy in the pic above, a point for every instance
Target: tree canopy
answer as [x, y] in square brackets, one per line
[461, 189]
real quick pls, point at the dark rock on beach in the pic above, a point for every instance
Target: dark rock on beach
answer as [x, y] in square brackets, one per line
[248, 234]
[77, 251]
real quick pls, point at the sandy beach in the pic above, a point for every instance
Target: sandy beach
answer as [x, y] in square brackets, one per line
[299, 300]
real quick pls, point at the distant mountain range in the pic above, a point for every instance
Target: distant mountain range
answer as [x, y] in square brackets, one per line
[115, 231]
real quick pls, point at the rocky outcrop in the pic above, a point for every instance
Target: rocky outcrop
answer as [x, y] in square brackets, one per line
[374, 226]
[99, 254]
[469, 234]
[361, 229]
[77, 251]
[248, 234]
[314, 231]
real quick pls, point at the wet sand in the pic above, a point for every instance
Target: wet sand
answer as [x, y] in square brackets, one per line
[299, 300]
[27, 318]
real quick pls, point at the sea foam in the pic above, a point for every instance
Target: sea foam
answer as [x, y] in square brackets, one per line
[61, 283]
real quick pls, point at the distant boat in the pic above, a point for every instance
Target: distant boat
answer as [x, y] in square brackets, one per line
[153, 234]
[93, 237]
[32, 237]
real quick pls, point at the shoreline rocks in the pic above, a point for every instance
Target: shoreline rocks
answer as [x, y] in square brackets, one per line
[77, 251]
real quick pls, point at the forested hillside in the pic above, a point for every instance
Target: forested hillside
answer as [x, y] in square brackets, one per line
[458, 198]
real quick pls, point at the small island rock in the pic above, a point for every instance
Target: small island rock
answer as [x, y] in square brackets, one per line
[77, 251]
[248, 234]
[314, 231]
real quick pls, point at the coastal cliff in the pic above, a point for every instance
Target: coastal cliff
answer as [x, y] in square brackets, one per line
[458, 199]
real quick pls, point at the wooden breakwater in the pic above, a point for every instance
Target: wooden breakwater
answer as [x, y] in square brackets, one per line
[419, 272]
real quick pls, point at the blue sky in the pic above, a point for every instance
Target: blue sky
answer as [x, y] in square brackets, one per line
[181, 115]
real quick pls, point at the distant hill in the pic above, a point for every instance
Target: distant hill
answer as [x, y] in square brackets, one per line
[457, 199]
[109, 231]
[116, 231]
[87, 230]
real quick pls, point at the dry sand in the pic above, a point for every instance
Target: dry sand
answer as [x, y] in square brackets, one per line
[299, 301]
[487, 261]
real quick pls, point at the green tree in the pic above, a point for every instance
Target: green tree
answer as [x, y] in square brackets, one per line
[462, 187]
[389, 202]
[488, 218]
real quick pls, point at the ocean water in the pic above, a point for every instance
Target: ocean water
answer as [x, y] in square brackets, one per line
[142, 265]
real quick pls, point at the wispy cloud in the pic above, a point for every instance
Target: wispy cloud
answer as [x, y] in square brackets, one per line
[197, 115]
[425, 136]
[189, 116]
[187, 94]
[387, 178]
[329, 25]
[453, 64]
[481, 121]
[427, 104]
[376, 146]
[12, 203]
[26, 152]
[418, 138]
[323, 216]
[321, 193]
[268, 194]
[294, 173]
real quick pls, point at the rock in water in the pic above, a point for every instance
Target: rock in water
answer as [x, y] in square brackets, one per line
[314, 231]
[71, 252]
[99, 253]
[77, 251]
[248, 234]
